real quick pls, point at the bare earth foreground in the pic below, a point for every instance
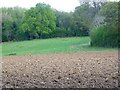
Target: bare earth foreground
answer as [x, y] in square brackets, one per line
[96, 69]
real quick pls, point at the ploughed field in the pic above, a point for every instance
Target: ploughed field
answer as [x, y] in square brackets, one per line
[96, 69]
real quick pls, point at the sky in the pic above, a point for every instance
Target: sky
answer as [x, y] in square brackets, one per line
[62, 5]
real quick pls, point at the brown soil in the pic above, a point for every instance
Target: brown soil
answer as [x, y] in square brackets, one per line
[95, 69]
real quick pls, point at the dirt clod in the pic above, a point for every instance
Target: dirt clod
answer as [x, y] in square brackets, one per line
[94, 69]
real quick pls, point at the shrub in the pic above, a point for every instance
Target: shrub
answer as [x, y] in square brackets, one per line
[104, 36]
[59, 32]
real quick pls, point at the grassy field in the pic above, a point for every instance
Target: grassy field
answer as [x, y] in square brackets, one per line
[45, 46]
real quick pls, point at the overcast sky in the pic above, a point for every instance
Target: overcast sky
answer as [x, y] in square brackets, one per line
[63, 5]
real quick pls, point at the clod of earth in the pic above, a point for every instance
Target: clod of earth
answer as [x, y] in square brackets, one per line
[95, 69]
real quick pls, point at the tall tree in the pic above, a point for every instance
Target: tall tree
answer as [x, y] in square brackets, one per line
[107, 34]
[83, 18]
[64, 20]
[11, 20]
[39, 21]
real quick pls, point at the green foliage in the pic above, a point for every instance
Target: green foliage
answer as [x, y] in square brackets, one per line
[59, 32]
[83, 18]
[43, 22]
[84, 15]
[38, 21]
[64, 23]
[107, 35]
[110, 12]
[11, 20]
[104, 37]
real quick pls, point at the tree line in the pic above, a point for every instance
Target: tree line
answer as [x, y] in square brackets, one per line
[42, 21]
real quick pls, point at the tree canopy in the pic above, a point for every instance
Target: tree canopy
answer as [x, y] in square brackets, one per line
[38, 21]
[42, 21]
